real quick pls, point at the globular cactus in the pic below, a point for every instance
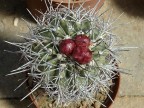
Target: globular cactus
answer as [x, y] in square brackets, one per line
[70, 54]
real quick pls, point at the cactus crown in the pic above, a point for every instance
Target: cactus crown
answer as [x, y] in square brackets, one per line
[62, 78]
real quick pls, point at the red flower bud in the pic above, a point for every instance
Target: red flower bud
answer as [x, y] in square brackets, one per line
[66, 46]
[82, 55]
[82, 40]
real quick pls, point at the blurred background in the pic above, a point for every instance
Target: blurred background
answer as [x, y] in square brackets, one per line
[131, 93]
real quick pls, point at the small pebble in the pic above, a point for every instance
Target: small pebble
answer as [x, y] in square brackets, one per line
[50, 105]
[16, 20]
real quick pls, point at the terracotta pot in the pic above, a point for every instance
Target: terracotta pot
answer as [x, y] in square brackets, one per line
[34, 5]
[113, 93]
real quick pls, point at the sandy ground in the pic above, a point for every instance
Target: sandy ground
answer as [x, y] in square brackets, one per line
[131, 93]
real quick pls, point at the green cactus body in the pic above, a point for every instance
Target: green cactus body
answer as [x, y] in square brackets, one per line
[60, 76]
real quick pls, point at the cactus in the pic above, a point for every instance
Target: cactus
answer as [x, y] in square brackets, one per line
[61, 75]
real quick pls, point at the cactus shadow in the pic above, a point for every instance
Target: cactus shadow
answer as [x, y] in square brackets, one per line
[9, 61]
[131, 7]
[15, 7]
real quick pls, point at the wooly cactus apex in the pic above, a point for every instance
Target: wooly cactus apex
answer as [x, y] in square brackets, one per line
[71, 54]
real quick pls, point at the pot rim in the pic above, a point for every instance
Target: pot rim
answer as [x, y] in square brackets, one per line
[37, 5]
[114, 91]
[73, 1]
